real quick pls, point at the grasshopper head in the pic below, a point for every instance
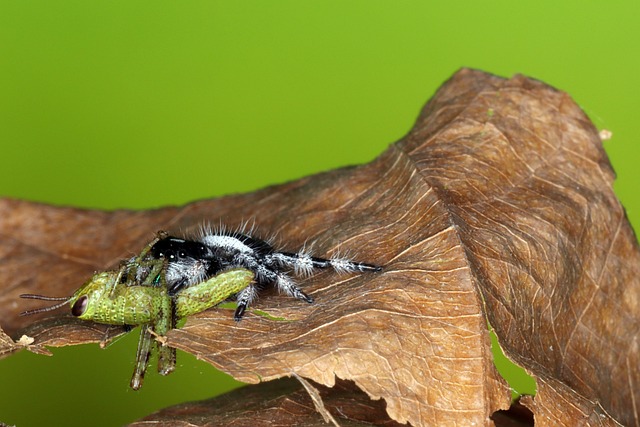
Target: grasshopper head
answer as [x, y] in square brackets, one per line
[81, 301]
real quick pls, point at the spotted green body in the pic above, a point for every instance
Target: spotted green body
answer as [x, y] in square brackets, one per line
[122, 304]
[102, 302]
[202, 296]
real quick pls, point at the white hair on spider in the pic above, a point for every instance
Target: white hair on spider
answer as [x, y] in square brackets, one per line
[216, 249]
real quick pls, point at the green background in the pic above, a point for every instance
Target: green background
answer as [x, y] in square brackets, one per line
[139, 104]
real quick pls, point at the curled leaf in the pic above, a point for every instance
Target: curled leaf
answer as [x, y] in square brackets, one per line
[497, 207]
[283, 402]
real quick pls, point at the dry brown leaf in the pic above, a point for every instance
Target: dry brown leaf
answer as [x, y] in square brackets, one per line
[7, 345]
[283, 402]
[497, 206]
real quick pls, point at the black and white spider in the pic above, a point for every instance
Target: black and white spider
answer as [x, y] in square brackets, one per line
[193, 261]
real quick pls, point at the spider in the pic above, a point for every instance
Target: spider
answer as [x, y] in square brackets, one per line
[192, 261]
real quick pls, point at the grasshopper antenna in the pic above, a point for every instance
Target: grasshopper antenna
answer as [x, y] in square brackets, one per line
[65, 300]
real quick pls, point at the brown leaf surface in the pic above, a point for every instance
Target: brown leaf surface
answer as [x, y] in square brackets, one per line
[7, 345]
[282, 402]
[497, 206]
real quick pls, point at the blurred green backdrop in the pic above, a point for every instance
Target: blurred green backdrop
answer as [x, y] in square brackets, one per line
[139, 104]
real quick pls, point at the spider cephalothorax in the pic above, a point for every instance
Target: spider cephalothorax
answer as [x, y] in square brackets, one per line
[192, 261]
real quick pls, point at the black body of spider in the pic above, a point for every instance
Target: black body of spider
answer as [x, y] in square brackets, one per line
[193, 261]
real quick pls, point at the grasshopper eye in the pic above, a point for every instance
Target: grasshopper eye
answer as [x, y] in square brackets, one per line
[80, 306]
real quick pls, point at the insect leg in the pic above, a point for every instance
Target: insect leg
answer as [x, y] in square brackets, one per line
[114, 283]
[161, 322]
[166, 354]
[142, 269]
[165, 321]
[166, 359]
[142, 357]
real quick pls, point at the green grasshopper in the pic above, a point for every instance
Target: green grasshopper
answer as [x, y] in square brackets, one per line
[136, 294]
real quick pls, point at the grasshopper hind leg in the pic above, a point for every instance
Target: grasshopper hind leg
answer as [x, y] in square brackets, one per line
[142, 357]
[166, 354]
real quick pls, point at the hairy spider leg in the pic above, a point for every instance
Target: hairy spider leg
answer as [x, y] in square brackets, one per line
[301, 262]
[243, 300]
[265, 274]
[304, 263]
